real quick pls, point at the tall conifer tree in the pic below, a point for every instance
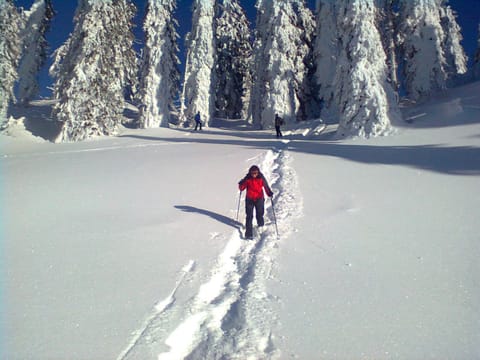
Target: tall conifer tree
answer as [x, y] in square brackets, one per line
[233, 61]
[10, 51]
[365, 99]
[476, 64]
[326, 52]
[198, 95]
[456, 59]
[159, 74]
[35, 49]
[387, 20]
[93, 69]
[284, 40]
[430, 47]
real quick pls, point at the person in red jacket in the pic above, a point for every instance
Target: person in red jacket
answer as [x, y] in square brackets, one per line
[254, 182]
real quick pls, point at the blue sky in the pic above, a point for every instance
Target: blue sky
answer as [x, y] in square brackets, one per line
[468, 18]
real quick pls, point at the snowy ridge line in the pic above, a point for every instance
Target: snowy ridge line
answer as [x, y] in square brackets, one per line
[231, 317]
[106, 148]
[159, 308]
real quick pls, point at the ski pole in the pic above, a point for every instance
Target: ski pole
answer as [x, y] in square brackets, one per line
[238, 207]
[274, 217]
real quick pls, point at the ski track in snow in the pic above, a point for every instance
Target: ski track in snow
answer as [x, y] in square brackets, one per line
[230, 316]
[159, 308]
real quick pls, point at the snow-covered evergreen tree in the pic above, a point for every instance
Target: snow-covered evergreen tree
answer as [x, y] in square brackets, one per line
[10, 51]
[283, 43]
[35, 49]
[307, 89]
[159, 79]
[422, 36]
[258, 62]
[326, 52]
[365, 99]
[233, 61]
[476, 64]
[387, 19]
[455, 57]
[93, 68]
[430, 46]
[198, 93]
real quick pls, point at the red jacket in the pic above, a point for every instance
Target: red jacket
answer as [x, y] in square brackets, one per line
[255, 187]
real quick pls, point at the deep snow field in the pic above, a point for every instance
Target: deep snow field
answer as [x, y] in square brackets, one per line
[129, 247]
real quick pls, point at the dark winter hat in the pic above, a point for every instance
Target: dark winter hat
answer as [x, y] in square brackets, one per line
[253, 168]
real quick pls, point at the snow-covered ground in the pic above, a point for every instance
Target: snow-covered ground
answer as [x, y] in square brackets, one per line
[129, 247]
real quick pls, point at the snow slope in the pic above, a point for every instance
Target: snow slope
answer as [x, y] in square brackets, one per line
[129, 247]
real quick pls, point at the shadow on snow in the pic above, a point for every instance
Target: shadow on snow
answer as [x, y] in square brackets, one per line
[457, 160]
[221, 218]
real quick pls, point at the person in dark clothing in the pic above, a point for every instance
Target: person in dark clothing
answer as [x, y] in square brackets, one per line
[278, 122]
[255, 183]
[198, 121]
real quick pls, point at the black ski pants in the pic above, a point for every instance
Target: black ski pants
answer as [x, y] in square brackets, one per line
[250, 205]
[279, 132]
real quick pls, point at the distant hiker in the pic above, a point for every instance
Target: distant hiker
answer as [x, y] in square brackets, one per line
[254, 182]
[278, 122]
[198, 121]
